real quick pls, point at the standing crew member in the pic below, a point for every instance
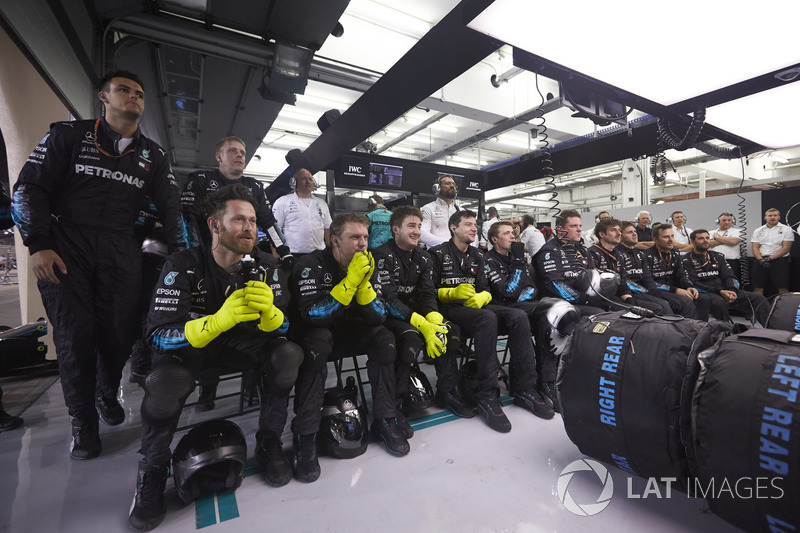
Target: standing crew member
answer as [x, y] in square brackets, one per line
[531, 237]
[436, 215]
[304, 218]
[682, 242]
[726, 241]
[771, 244]
[644, 234]
[378, 215]
[342, 315]
[75, 204]
[406, 277]
[231, 155]
[219, 305]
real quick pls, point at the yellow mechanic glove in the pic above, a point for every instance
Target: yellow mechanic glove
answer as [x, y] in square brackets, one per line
[479, 300]
[435, 335]
[358, 268]
[259, 296]
[435, 318]
[464, 291]
[200, 331]
[371, 270]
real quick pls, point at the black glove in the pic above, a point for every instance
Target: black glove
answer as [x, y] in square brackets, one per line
[286, 256]
[765, 262]
[518, 250]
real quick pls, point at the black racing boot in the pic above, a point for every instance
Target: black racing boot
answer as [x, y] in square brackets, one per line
[492, 412]
[109, 410]
[85, 440]
[269, 452]
[403, 425]
[148, 509]
[8, 421]
[455, 403]
[205, 400]
[534, 402]
[392, 436]
[306, 464]
[548, 390]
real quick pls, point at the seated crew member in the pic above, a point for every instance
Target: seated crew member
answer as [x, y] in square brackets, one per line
[240, 324]
[671, 278]
[610, 254]
[560, 262]
[711, 274]
[341, 315]
[378, 215]
[771, 244]
[513, 290]
[459, 275]
[406, 277]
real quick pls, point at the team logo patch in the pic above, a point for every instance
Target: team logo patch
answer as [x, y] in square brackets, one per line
[601, 327]
[200, 285]
[146, 153]
[328, 278]
[213, 184]
[44, 139]
[275, 275]
[547, 256]
[305, 273]
[169, 279]
[89, 136]
[380, 263]
[447, 258]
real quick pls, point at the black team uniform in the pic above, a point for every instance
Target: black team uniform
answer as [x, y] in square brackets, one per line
[78, 196]
[451, 268]
[327, 329]
[710, 274]
[636, 278]
[193, 285]
[203, 183]
[406, 280]
[669, 275]
[558, 266]
[512, 287]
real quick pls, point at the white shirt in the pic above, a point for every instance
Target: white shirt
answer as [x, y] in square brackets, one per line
[589, 239]
[682, 234]
[485, 231]
[771, 239]
[303, 221]
[730, 251]
[533, 239]
[435, 216]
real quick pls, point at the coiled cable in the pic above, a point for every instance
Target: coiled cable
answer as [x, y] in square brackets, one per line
[547, 162]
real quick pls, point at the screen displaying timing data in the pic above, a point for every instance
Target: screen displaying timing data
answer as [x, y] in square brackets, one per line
[385, 175]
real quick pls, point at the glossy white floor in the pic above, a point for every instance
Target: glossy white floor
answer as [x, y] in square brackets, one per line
[460, 476]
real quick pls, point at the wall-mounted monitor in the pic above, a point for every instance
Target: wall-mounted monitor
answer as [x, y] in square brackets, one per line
[384, 175]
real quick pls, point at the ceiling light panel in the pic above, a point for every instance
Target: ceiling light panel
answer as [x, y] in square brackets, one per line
[710, 45]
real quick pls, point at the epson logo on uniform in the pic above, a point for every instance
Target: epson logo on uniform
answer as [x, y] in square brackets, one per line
[116, 175]
[168, 292]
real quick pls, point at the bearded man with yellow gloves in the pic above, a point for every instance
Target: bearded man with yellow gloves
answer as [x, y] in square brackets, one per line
[340, 314]
[459, 275]
[219, 305]
[406, 277]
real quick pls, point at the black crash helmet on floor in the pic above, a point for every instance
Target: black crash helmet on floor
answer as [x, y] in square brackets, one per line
[468, 380]
[343, 430]
[209, 458]
[420, 391]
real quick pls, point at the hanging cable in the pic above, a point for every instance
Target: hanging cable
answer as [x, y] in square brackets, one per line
[741, 221]
[547, 162]
[670, 140]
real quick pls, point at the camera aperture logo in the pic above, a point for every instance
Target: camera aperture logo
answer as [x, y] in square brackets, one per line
[585, 509]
